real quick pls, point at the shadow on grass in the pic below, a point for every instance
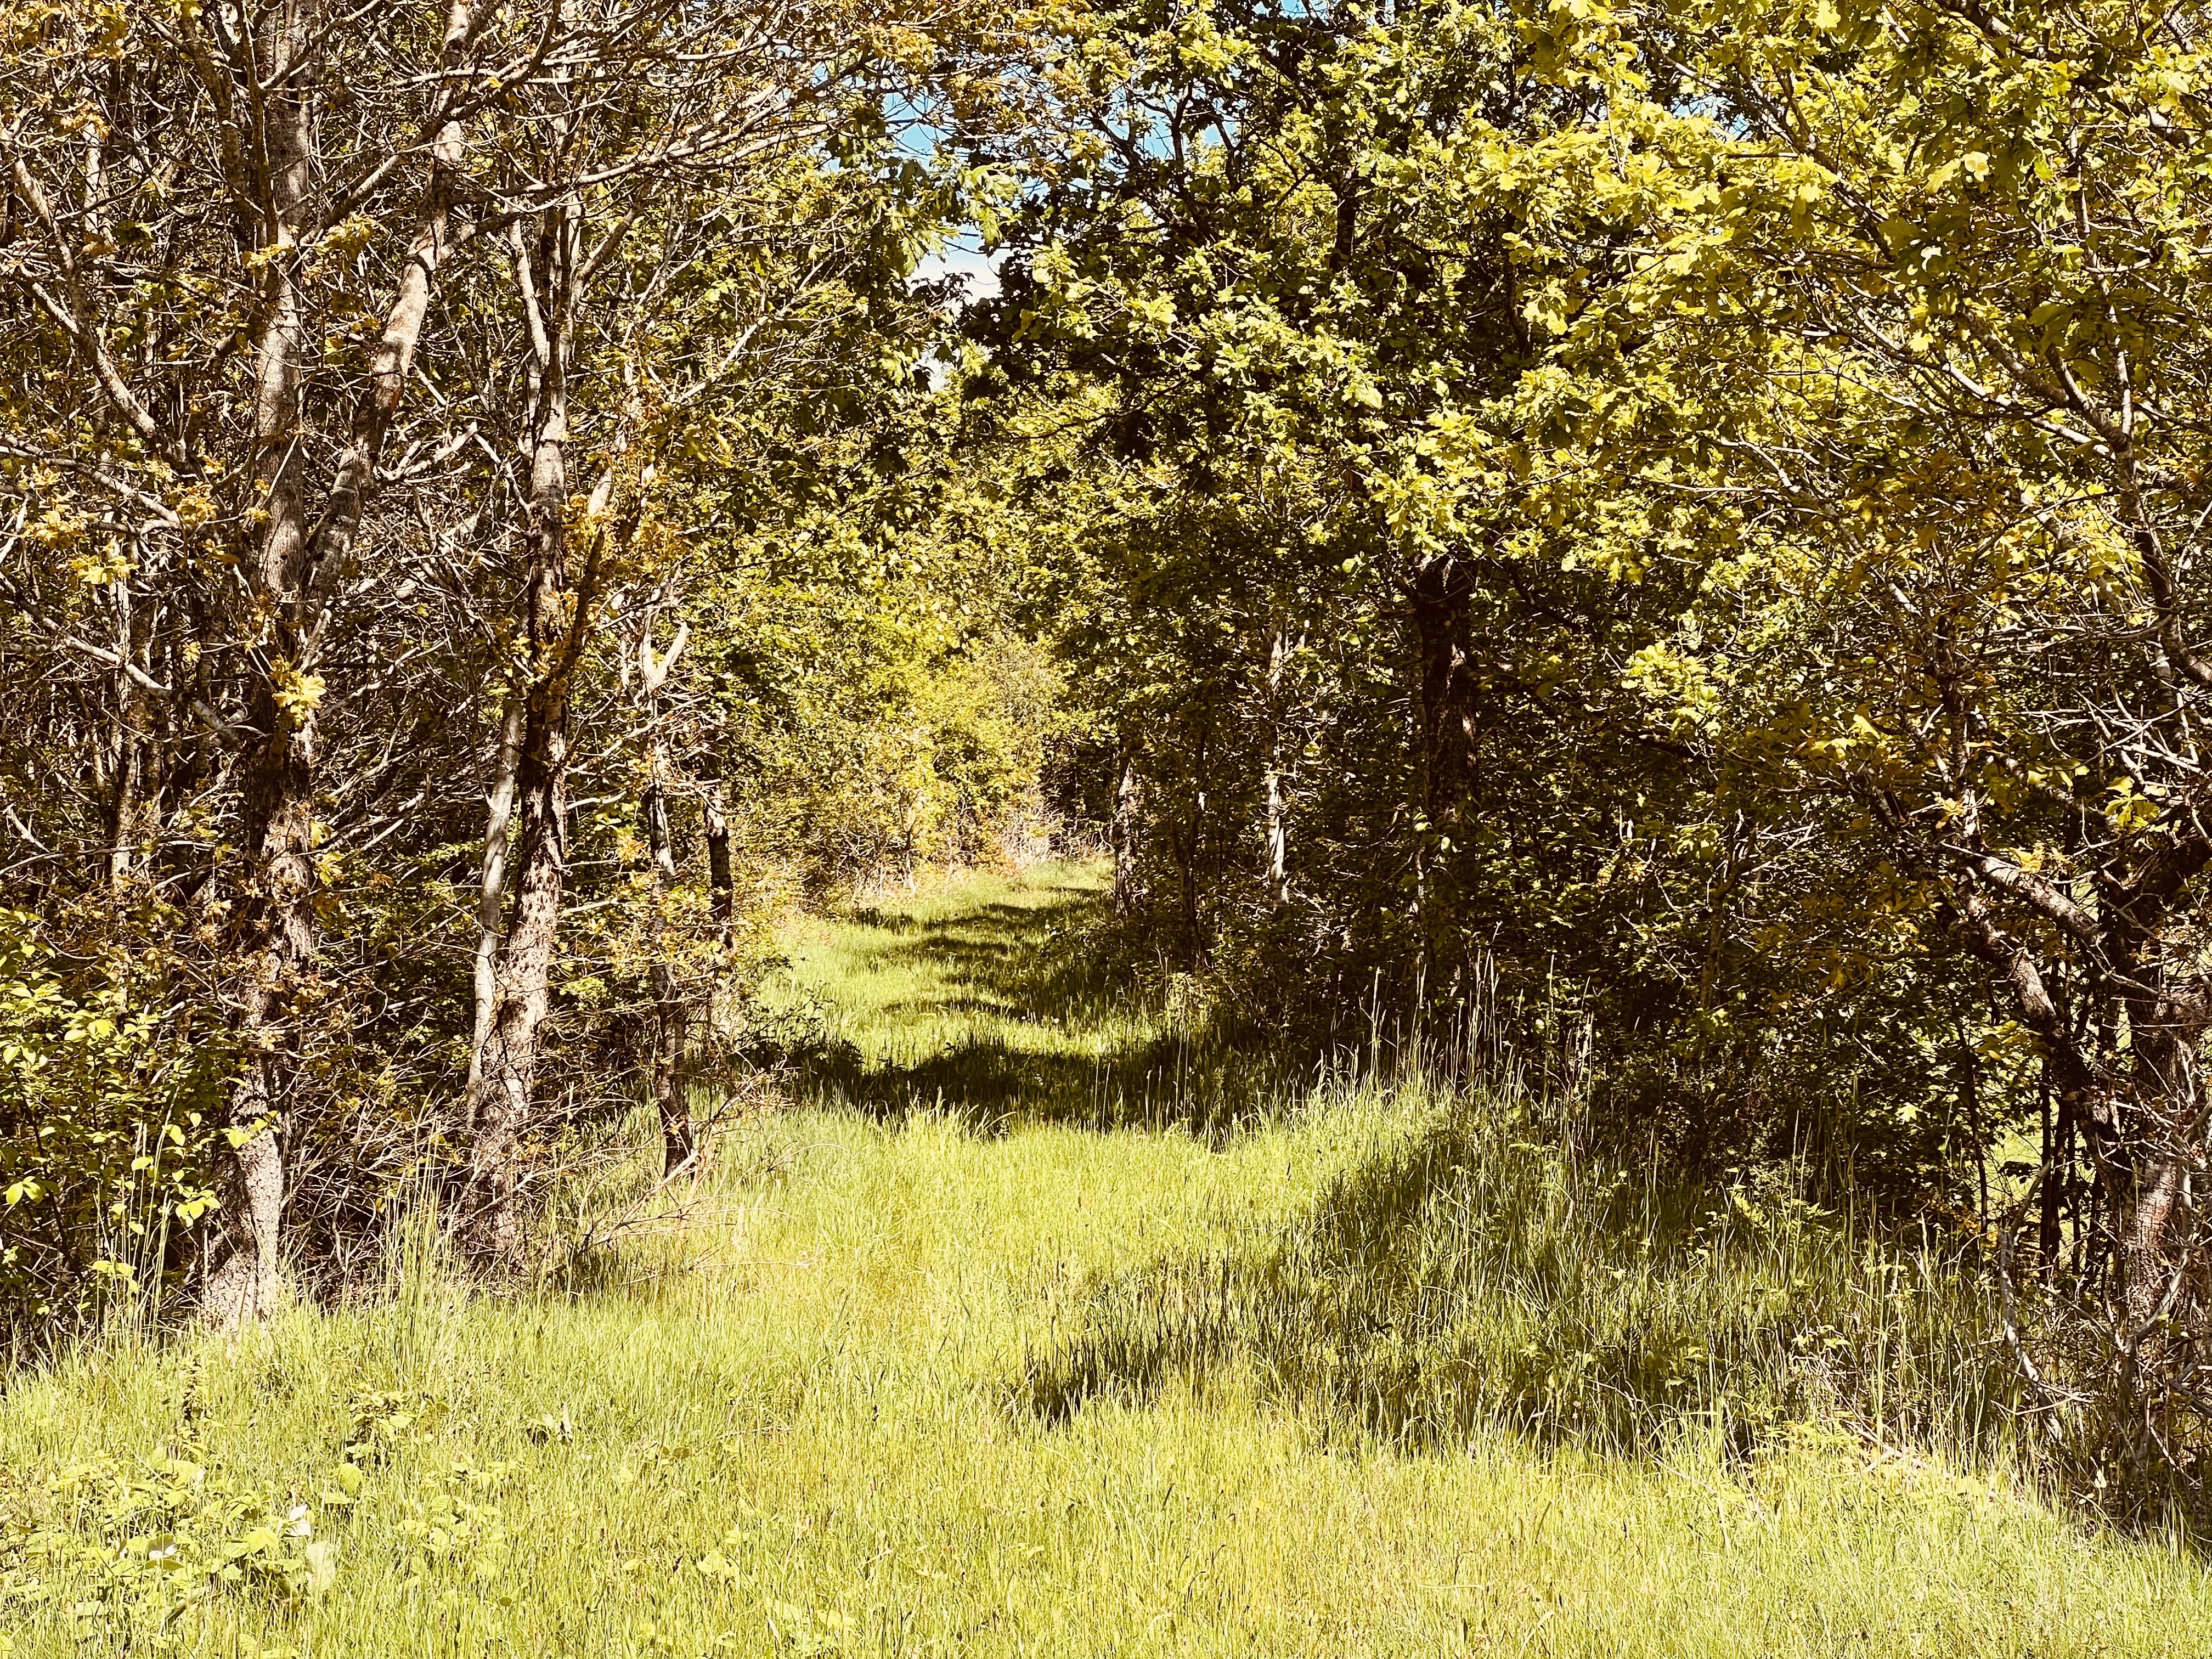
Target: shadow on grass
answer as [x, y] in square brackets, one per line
[1052, 968]
[1475, 1276]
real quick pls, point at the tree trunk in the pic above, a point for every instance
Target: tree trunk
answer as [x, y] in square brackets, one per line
[2162, 1248]
[128, 788]
[548, 275]
[275, 918]
[2053, 1182]
[678, 1139]
[1126, 827]
[1278, 827]
[2146, 1129]
[294, 571]
[491, 895]
[493, 1224]
[721, 883]
[1443, 595]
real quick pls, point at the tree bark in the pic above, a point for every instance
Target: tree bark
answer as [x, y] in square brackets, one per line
[1443, 596]
[1442, 593]
[1278, 825]
[549, 276]
[275, 918]
[1126, 829]
[722, 884]
[678, 1138]
[294, 572]
[491, 895]
[554, 622]
[128, 784]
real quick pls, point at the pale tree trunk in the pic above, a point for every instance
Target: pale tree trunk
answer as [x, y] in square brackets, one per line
[2163, 1246]
[678, 1137]
[508, 1072]
[556, 622]
[1126, 827]
[491, 894]
[1278, 826]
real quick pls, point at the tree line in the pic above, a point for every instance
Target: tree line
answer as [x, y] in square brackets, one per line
[1691, 514]
[456, 578]
[1685, 519]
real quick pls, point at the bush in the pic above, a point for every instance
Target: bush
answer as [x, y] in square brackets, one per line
[110, 1115]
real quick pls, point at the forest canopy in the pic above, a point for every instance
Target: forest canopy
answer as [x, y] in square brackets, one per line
[1678, 530]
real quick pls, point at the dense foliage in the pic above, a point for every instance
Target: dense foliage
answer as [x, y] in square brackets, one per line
[1675, 530]
[1695, 511]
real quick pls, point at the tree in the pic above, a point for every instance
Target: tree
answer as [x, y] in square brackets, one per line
[1937, 285]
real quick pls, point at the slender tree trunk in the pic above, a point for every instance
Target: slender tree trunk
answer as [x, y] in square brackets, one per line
[128, 786]
[2162, 1250]
[275, 920]
[678, 1137]
[508, 1074]
[491, 895]
[676, 1134]
[722, 884]
[1126, 827]
[1189, 847]
[557, 621]
[1442, 592]
[2057, 1168]
[1278, 826]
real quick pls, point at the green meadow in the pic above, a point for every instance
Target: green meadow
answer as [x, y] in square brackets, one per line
[1036, 1320]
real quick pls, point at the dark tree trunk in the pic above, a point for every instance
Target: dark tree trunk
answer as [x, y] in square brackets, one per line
[721, 884]
[1443, 596]
[678, 1137]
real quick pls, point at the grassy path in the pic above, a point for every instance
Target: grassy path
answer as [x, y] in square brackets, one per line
[792, 1424]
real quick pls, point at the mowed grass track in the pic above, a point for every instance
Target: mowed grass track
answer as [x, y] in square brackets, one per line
[791, 1419]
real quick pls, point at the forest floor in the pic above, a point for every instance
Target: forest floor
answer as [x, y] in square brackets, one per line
[794, 1411]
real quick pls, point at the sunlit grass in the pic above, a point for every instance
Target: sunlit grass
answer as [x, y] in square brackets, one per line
[960, 965]
[800, 1419]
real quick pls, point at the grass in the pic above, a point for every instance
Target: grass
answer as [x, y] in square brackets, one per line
[932, 1364]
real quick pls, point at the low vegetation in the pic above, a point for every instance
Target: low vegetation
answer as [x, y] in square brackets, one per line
[984, 1347]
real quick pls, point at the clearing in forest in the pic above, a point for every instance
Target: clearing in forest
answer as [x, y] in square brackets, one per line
[888, 1386]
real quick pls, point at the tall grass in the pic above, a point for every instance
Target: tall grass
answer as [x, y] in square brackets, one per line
[1474, 1272]
[799, 1414]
